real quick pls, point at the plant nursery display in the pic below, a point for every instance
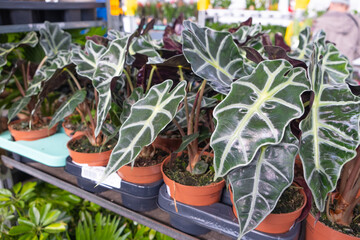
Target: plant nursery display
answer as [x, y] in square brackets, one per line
[233, 106]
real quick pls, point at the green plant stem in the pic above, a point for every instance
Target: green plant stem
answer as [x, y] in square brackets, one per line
[71, 86]
[73, 78]
[150, 77]
[128, 78]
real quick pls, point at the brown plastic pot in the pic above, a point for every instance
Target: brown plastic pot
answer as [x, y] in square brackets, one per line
[193, 195]
[91, 159]
[68, 131]
[30, 135]
[170, 143]
[320, 231]
[277, 223]
[142, 175]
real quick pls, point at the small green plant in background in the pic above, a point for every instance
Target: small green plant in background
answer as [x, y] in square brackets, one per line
[38, 210]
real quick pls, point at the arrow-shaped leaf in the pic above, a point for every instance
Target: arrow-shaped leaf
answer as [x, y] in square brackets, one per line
[86, 60]
[258, 186]
[53, 39]
[148, 117]
[110, 65]
[43, 74]
[256, 112]
[30, 39]
[213, 56]
[68, 107]
[330, 132]
[304, 49]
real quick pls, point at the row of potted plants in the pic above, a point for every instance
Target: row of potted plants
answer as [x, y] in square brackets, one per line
[202, 107]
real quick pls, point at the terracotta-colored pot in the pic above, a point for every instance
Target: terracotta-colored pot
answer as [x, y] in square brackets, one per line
[68, 131]
[320, 231]
[277, 223]
[193, 195]
[31, 135]
[142, 175]
[170, 143]
[91, 159]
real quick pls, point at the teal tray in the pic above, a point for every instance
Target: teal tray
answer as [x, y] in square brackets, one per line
[50, 151]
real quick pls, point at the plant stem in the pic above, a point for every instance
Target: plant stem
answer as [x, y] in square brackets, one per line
[18, 85]
[41, 63]
[128, 78]
[27, 76]
[150, 77]
[198, 108]
[179, 127]
[73, 78]
[71, 85]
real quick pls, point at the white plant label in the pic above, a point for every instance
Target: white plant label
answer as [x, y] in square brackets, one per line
[95, 174]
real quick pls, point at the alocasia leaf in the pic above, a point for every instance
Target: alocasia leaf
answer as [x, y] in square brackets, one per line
[143, 46]
[5, 48]
[256, 112]
[46, 72]
[110, 65]
[213, 56]
[244, 33]
[4, 79]
[68, 107]
[304, 49]
[135, 96]
[148, 117]
[86, 60]
[258, 186]
[330, 132]
[53, 39]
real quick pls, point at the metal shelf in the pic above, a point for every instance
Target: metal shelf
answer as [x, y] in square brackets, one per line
[37, 26]
[156, 219]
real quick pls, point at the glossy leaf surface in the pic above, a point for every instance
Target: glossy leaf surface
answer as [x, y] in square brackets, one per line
[256, 112]
[330, 132]
[213, 56]
[148, 117]
[53, 39]
[258, 186]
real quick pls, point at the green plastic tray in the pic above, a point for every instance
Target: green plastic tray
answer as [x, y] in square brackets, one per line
[50, 151]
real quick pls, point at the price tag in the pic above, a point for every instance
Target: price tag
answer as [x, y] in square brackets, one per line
[168, 190]
[95, 174]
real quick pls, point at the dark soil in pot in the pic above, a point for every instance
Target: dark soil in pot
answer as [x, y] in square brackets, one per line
[176, 170]
[84, 146]
[73, 127]
[290, 201]
[352, 230]
[24, 125]
[157, 158]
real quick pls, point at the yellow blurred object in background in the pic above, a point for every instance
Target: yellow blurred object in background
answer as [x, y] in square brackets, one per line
[202, 5]
[115, 8]
[301, 4]
[131, 6]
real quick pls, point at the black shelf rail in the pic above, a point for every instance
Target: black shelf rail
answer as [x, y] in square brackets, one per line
[156, 219]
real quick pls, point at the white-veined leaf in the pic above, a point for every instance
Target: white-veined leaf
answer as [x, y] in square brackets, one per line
[86, 60]
[68, 107]
[258, 186]
[5, 48]
[213, 56]
[330, 132]
[256, 112]
[110, 65]
[148, 117]
[53, 39]
[43, 74]
[304, 49]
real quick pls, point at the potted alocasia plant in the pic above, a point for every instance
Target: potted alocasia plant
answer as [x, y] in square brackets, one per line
[55, 44]
[253, 143]
[330, 140]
